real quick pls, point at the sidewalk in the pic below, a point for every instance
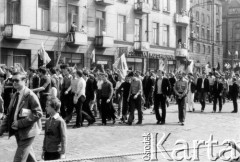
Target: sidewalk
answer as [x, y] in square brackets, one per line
[120, 140]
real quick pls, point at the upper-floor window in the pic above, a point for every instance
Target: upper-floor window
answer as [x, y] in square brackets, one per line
[166, 35]
[100, 23]
[197, 31]
[198, 48]
[155, 5]
[237, 36]
[44, 15]
[203, 33]
[203, 18]
[204, 49]
[197, 16]
[155, 33]
[72, 15]
[208, 7]
[208, 20]
[217, 9]
[13, 12]
[137, 29]
[208, 34]
[218, 36]
[121, 27]
[166, 5]
[217, 23]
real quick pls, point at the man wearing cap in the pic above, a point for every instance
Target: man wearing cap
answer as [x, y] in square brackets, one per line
[217, 93]
[162, 91]
[202, 89]
[181, 89]
[135, 98]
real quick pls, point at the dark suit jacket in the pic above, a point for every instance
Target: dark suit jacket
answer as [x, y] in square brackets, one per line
[36, 82]
[217, 89]
[166, 87]
[148, 84]
[193, 87]
[235, 90]
[206, 85]
[29, 126]
[91, 87]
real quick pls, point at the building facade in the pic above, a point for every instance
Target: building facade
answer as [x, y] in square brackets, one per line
[206, 34]
[231, 34]
[152, 33]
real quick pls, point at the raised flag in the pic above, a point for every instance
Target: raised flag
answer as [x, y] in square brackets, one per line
[121, 65]
[229, 53]
[93, 56]
[44, 55]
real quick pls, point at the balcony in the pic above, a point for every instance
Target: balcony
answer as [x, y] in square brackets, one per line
[81, 39]
[16, 31]
[182, 52]
[142, 8]
[182, 19]
[105, 2]
[141, 46]
[104, 42]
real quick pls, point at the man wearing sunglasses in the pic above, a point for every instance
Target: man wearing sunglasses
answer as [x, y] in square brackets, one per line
[23, 119]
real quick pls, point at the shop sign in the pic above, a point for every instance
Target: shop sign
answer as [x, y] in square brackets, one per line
[234, 11]
[182, 52]
[144, 54]
[102, 62]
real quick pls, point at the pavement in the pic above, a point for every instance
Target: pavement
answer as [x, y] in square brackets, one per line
[123, 143]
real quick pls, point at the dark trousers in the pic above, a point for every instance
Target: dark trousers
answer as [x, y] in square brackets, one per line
[202, 98]
[125, 108]
[66, 102]
[215, 99]
[43, 102]
[70, 107]
[147, 100]
[235, 104]
[98, 102]
[52, 155]
[135, 104]
[24, 151]
[210, 96]
[81, 114]
[107, 110]
[181, 109]
[87, 110]
[160, 100]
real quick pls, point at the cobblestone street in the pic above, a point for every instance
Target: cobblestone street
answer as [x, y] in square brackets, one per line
[120, 140]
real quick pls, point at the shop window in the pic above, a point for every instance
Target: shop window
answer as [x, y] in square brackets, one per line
[135, 64]
[73, 59]
[100, 23]
[13, 12]
[107, 61]
[43, 16]
[153, 64]
[11, 56]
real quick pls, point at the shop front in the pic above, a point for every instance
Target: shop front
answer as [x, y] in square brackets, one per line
[106, 60]
[10, 57]
[72, 59]
[182, 57]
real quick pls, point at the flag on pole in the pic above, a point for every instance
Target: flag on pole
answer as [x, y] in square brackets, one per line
[190, 66]
[161, 65]
[236, 53]
[19, 68]
[121, 65]
[44, 55]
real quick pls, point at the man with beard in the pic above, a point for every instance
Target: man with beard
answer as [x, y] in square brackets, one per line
[181, 90]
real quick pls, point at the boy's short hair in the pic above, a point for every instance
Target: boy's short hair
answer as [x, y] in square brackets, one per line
[55, 103]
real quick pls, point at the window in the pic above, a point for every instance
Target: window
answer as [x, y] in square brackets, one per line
[13, 12]
[208, 20]
[217, 23]
[209, 49]
[197, 16]
[219, 51]
[166, 35]
[121, 27]
[137, 29]
[203, 33]
[100, 23]
[237, 36]
[218, 36]
[73, 59]
[204, 49]
[208, 7]
[155, 5]
[203, 18]
[198, 48]
[153, 64]
[166, 5]
[208, 34]
[72, 15]
[217, 9]
[191, 46]
[155, 33]
[198, 31]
